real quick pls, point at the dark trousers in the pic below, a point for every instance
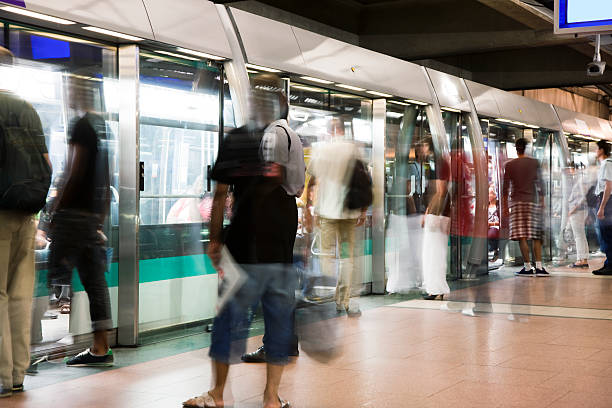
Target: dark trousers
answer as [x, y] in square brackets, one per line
[605, 233]
[75, 242]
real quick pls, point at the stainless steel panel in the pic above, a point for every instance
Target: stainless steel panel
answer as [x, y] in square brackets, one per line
[126, 16]
[235, 69]
[193, 24]
[304, 52]
[561, 140]
[436, 123]
[581, 124]
[484, 99]
[451, 91]
[379, 118]
[129, 195]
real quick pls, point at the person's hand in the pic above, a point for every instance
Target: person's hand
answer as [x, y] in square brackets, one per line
[41, 239]
[601, 213]
[214, 253]
[362, 219]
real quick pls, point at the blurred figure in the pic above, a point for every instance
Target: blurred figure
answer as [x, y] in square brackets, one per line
[260, 238]
[604, 212]
[493, 232]
[436, 223]
[82, 204]
[577, 214]
[25, 176]
[331, 169]
[524, 191]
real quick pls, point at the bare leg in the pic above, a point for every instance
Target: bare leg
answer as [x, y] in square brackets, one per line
[537, 250]
[525, 250]
[220, 371]
[273, 377]
[100, 343]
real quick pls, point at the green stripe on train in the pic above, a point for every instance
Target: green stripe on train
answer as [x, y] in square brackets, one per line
[151, 270]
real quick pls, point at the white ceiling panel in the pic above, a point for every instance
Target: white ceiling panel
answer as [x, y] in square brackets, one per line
[581, 124]
[192, 24]
[126, 16]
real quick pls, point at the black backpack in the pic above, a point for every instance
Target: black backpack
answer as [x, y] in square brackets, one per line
[360, 188]
[25, 175]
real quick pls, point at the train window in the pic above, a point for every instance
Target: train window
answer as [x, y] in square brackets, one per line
[62, 77]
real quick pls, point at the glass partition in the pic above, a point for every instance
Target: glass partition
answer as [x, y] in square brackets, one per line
[179, 139]
[63, 77]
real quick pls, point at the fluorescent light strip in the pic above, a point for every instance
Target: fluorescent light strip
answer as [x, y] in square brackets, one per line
[260, 68]
[321, 81]
[351, 87]
[38, 16]
[112, 33]
[199, 54]
[399, 103]
[384, 95]
[445, 108]
[176, 55]
[416, 102]
[307, 88]
[250, 71]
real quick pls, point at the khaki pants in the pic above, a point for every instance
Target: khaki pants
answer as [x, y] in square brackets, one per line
[16, 287]
[338, 236]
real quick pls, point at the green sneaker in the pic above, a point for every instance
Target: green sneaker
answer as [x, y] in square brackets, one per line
[86, 359]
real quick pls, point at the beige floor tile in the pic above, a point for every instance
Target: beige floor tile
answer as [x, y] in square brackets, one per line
[576, 400]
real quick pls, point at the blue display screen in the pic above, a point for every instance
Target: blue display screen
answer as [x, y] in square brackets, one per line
[585, 13]
[46, 48]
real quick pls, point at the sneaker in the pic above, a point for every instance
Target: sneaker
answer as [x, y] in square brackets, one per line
[18, 388]
[541, 272]
[257, 356]
[523, 272]
[86, 359]
[5, 392]
[605, 271]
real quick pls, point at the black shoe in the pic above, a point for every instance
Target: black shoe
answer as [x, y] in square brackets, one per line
[294, 353]
[527, 273]
[5, 392]
[86, 359]
[18, 388]
[258, 356]
[541, 273]
[605, 271]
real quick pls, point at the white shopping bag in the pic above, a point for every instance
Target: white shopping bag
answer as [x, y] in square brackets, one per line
[233, 279]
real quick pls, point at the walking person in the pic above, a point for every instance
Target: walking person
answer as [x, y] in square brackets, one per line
[523, 194]
[577, 214]
[77, 238]
[604, 211]
[260, 238]
[25, 176]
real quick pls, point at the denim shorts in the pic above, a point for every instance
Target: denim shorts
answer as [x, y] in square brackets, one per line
[274, 286]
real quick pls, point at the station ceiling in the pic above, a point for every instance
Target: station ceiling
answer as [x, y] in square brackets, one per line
[508, 44]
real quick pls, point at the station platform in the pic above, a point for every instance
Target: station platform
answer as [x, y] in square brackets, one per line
[508, 342]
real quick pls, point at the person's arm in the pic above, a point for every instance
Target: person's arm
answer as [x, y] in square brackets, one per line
[505, 192]
[308, 219]
[76, 169]
[216, 224]
[604, 200]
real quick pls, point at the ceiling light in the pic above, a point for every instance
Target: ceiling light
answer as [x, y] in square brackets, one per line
[172, 54]
[306, 88]
[399, 103]
[395, 115]
[384, 95]
[444, 108]
[112, 33]
[259, 67]
[415, 102]
[321, 81]
[341, 95]
[199, 54]
[250, 71]
[352, 88]
[39, 16]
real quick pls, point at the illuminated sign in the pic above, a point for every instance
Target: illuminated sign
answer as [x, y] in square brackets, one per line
[20, 3]
[583, 16]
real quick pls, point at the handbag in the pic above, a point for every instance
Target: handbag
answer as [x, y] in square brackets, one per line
[360, 188]
[592, 199]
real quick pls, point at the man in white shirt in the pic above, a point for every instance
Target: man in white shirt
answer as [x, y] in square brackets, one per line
[331, 168]
[604, 212]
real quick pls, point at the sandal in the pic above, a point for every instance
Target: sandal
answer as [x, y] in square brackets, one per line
[284, 404]
[203, 401]
[65, 308]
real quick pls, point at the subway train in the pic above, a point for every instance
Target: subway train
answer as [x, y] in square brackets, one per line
[171, 80]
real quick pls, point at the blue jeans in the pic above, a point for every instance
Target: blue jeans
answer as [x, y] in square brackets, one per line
[605, 233]
[273, 285]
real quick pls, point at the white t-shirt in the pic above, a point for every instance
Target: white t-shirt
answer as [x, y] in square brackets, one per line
[605, 174]
[332, 165]
[275, 148]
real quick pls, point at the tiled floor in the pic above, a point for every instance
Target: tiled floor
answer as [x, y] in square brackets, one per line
[398, 355]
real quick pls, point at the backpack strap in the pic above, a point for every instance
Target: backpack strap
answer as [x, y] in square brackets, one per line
[288, 137]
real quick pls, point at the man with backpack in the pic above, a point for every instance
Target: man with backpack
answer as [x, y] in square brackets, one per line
[25, 176]
[343, 194]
